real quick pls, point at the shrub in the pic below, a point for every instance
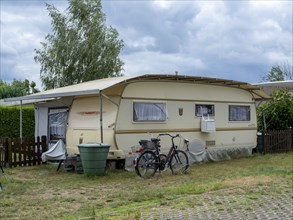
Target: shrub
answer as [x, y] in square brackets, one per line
[9, 121]
[278, 112]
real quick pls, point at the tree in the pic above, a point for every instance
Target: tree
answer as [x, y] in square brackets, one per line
[277, 113]
[81, 47]
[33, 85]
[17, 88]
[279, 73]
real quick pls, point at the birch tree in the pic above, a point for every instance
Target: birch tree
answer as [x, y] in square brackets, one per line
[81, 46]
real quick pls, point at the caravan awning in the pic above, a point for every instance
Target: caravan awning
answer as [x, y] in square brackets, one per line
[95, 86]
[86, 88]
[269, 87]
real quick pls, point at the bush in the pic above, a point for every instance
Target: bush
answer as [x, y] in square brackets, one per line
[9, 121]
[278, 112]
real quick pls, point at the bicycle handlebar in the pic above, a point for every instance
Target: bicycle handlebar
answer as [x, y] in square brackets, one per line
[171, 136]
[186, 141]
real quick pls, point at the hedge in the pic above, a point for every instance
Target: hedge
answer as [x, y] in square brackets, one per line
[9, 121]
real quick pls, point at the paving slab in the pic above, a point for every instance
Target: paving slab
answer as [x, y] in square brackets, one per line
[231, 205]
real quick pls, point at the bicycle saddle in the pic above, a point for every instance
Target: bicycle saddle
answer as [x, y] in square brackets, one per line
[155, 139]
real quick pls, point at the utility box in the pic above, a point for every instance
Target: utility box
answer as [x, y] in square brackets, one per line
[208, 125]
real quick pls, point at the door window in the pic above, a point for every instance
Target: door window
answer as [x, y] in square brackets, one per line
[57, 124]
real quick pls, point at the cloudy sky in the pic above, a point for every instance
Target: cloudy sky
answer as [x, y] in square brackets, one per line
[239, 40]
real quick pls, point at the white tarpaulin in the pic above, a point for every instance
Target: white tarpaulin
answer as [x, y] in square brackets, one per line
[56, 152]
[197, 153]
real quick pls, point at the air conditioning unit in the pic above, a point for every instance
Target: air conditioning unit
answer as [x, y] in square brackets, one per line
[208, 124]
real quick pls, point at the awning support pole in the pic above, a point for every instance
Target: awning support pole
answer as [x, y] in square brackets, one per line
[101, 116]
[108, 98]
[20, 121]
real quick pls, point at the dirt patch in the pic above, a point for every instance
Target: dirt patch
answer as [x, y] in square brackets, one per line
[249, 181]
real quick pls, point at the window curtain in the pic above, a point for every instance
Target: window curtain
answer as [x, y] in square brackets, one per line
[204, 110]
[239, 113]
[149, 111]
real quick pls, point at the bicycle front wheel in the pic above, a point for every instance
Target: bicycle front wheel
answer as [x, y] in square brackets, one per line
[146, 165]
[179, 162]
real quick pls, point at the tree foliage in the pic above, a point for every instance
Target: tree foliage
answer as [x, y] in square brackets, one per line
[279, 73]
[278, 112]
[81, 47]
[17, 88]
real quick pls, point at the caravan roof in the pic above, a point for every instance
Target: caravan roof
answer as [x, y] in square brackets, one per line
[95, 86]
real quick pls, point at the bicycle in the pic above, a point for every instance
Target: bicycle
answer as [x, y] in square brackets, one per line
[152, 160]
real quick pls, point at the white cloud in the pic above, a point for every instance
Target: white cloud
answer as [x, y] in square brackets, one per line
[144, 42]
[7, 50]
[268, 5]
[271, 24]
[277, 57]
[134, 40]
[157, 62]
[162, 4]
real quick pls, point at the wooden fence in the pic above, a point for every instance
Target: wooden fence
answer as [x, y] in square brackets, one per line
[277, 141]
[15, 153]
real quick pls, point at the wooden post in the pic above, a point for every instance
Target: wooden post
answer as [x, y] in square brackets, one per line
[9, 150]
[6, 152]
[44, 144]
[28, 150]
[32, 151]
[291, 134]
[263, 141]
[38, 151]
[2, 152]
[20, 152]
[290, 139]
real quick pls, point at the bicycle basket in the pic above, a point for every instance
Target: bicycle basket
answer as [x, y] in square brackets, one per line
[147, 145]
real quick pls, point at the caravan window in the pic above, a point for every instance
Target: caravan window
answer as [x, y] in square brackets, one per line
[239, 113]
[204, 110]
[146, 111]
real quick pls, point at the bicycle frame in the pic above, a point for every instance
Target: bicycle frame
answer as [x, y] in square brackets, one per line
[176, 160]
[173, 147]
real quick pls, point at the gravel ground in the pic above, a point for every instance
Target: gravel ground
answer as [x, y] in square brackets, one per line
[254, 204]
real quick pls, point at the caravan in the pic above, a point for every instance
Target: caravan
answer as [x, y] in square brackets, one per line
[218, 113]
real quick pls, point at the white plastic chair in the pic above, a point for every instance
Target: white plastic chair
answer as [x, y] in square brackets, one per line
[57, 152]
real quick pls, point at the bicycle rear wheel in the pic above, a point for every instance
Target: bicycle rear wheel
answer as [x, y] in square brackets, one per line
[163, 163]
[179, 162]
[146, 165]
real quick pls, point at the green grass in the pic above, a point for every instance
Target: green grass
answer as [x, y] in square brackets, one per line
[40, 192]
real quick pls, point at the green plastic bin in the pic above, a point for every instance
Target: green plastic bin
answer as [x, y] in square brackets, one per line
[93, 158]
[259, 145]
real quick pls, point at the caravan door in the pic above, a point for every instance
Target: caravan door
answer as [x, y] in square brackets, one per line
[57, 124]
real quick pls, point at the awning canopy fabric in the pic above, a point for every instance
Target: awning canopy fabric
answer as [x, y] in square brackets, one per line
[95, 86]
[269, 87]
